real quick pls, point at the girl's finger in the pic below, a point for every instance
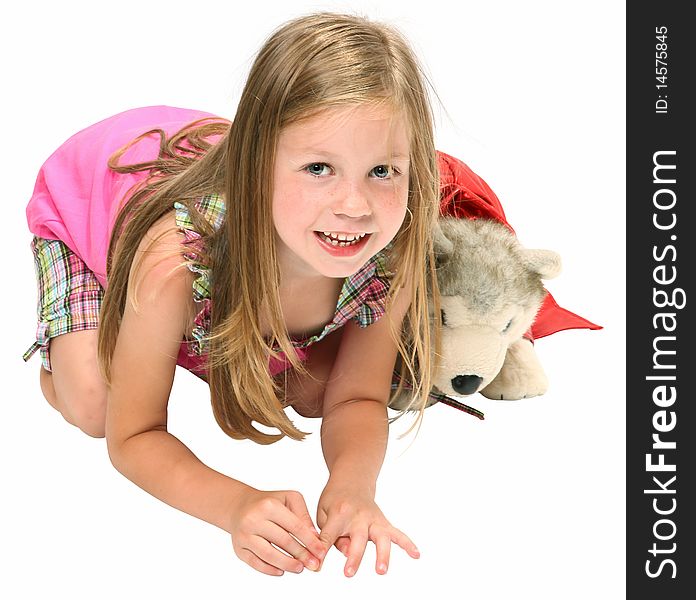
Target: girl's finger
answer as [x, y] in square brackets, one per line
[402, 540]
[342, 544]
[280, 538]
[260, 565]
[295, 502]
[288, 520]
[383, 544]
[271, 555]
[332, 530]
[358, 542]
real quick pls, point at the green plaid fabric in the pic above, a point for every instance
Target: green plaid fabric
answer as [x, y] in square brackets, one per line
[69, 295]
[362, 297]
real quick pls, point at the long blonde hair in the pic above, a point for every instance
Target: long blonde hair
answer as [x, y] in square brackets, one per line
[312, 63]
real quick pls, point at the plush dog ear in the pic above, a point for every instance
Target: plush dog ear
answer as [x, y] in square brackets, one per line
[545, 262]
[441, 244]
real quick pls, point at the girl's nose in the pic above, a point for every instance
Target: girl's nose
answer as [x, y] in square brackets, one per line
[352, 201]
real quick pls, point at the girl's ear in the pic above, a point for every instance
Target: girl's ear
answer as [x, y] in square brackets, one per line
[546, 263]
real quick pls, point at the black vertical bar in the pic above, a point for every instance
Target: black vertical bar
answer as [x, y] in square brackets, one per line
[661, 340]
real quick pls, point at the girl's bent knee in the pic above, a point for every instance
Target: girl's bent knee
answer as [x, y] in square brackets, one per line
[94, 426]
[88, 412]
[80, 390]
[84, 406]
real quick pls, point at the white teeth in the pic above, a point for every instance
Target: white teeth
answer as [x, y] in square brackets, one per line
[341, 239]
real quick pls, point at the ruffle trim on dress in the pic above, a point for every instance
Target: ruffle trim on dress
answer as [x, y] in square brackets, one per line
[201, 284]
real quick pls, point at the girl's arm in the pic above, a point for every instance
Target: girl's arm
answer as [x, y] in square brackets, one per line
[354, 435]
[143, 367]
[142, 449]
[354, 427]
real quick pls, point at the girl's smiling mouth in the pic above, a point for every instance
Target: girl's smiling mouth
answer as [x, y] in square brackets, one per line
[342, 244]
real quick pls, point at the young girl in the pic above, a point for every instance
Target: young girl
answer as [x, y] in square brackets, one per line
[280, 257]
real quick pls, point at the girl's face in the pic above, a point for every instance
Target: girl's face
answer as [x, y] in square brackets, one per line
[333, 174]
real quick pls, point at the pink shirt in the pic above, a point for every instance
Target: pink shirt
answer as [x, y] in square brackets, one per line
[77, 197]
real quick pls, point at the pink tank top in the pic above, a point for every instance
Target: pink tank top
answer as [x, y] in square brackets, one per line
[77, 197]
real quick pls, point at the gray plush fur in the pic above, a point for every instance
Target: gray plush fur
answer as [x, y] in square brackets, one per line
[485, 266]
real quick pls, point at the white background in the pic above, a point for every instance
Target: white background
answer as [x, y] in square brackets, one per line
[526, 504]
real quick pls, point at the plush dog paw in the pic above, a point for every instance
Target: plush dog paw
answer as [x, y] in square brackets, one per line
[401, 401]
[404, 401]
[521, 375]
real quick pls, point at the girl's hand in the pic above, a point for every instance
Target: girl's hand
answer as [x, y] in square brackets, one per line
[266, 522]
[348, 519]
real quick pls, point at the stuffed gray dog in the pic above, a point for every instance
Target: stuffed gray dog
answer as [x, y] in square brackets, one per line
[491, 289]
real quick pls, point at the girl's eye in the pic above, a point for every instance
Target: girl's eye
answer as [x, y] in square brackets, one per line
[316, 169]
[383, 171]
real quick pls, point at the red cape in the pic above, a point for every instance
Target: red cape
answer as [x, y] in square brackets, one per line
[464, 194]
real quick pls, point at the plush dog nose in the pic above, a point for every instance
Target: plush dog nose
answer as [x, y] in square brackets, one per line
[466, 384]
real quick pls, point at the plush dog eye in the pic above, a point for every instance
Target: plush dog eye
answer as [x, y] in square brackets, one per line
[442, 317]
[507, 326]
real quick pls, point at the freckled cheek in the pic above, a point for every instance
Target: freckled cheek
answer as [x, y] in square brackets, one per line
[395, 209]
[288, 200]
[285, 213]
[295, 196]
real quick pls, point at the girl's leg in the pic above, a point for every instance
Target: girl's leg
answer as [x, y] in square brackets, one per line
[69, 302]
[75, 387]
